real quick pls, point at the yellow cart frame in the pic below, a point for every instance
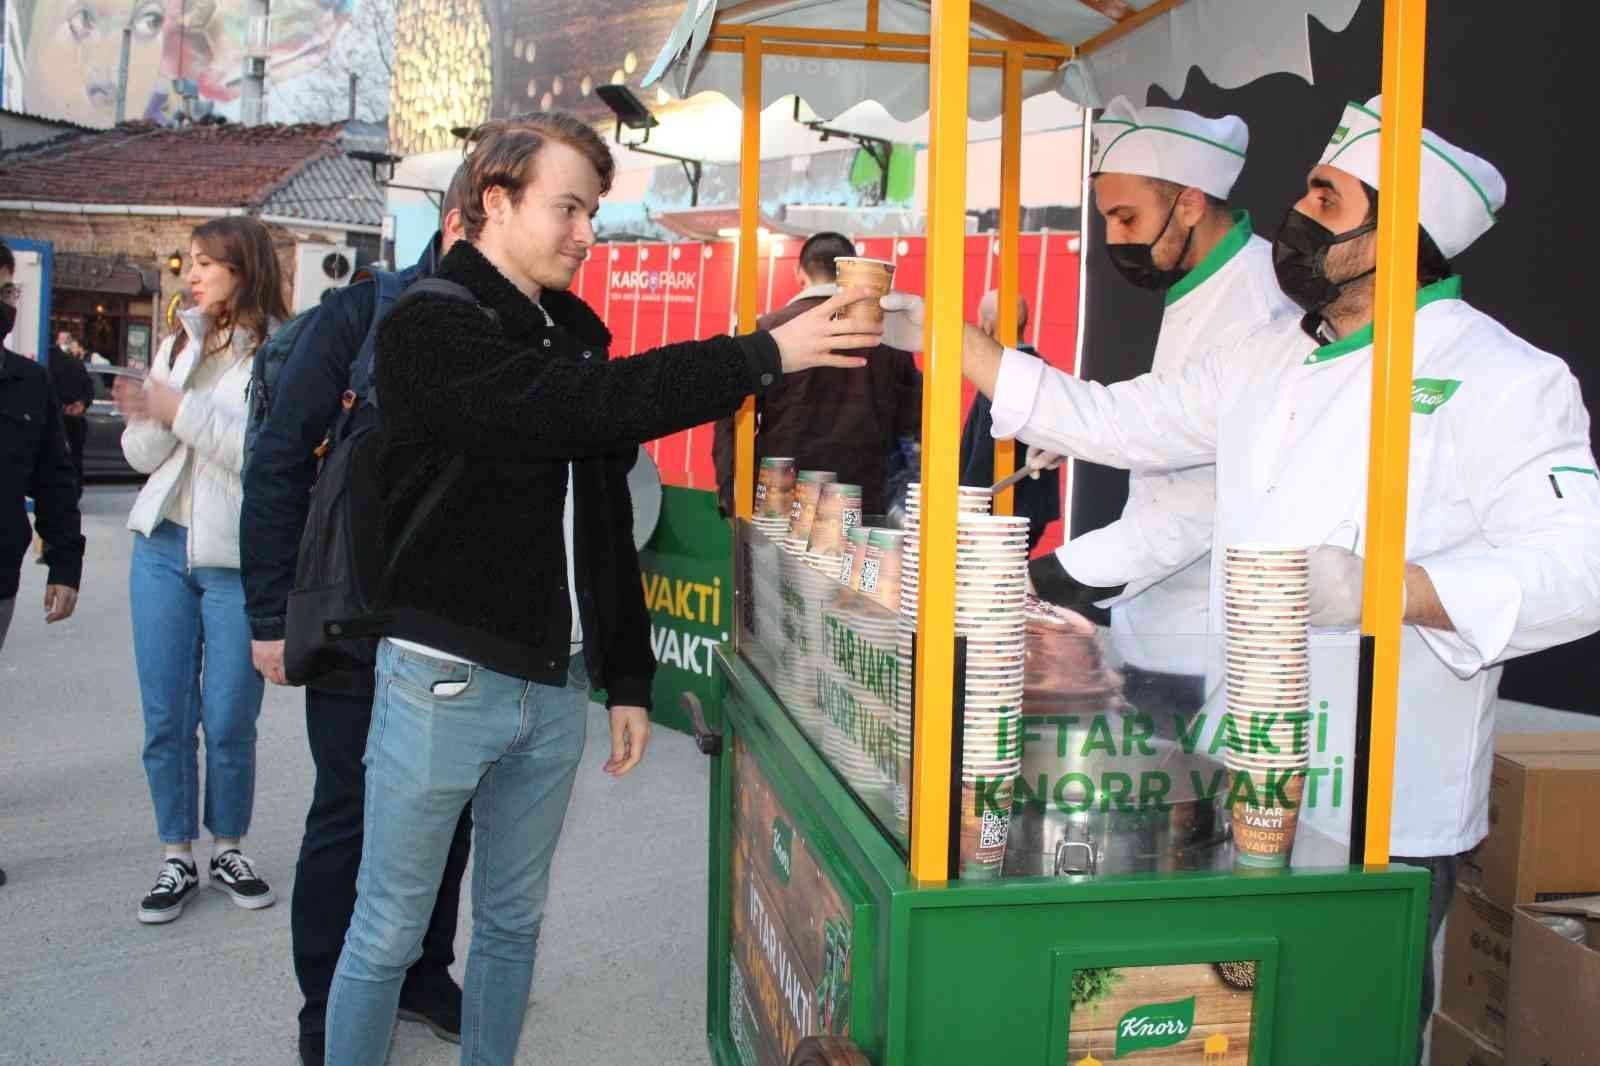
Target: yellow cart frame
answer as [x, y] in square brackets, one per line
[950, 52]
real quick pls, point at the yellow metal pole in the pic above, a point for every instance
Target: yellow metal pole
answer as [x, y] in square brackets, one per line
[941, 416]
[1010, 246]
[1400, 145]
[744, 424]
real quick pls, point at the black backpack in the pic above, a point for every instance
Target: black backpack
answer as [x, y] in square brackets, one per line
[341, 579]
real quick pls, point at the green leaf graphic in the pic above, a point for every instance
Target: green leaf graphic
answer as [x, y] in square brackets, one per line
[1430, 394]
[1155, 1025]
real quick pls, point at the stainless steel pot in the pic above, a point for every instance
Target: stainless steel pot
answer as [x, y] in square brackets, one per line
[1172, 815]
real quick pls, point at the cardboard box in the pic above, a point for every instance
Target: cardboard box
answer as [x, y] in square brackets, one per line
[1555, 989]
[1452, 1045]
[1475, 988]
[1544, 815]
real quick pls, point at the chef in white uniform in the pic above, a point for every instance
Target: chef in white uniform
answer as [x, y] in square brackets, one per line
[1161, 181]
[1503, 516]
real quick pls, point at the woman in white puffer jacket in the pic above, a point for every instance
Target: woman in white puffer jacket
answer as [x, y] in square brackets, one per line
[191, 638]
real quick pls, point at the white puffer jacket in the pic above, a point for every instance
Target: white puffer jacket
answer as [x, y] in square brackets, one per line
[210, 427]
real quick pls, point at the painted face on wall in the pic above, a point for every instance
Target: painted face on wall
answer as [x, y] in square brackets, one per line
[74, 52]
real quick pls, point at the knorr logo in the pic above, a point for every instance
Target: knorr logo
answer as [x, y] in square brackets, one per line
[1430, 394]
[1339, 135]
[782, 848]
[1155, 1025]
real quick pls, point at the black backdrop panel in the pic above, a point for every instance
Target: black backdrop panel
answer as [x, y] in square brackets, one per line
[1514, 90]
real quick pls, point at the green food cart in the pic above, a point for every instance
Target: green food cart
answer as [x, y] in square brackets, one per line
[849, 922]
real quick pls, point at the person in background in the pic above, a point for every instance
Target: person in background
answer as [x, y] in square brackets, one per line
[277, 486]
[1038, 497]
[501, 469]
[75, 392]
[34, 463]
[830, 419]
[191, 639]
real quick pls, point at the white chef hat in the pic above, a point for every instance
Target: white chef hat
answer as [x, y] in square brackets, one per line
[1177, 146]
[1460, 192]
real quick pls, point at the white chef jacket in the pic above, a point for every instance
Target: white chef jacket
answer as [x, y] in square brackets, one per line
[1160, 547]
[1503, 507]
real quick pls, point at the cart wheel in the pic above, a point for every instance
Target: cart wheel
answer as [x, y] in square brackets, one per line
[827, 1051]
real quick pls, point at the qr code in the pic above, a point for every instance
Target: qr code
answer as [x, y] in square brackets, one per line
[869, 575]
[846, 564]
[995, 825]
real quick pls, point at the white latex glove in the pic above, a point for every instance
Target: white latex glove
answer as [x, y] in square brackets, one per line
[902, 321]
[1040, 460]
[1334, 584]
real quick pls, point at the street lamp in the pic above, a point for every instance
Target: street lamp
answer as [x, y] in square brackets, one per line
[632, 113]
[175, 263]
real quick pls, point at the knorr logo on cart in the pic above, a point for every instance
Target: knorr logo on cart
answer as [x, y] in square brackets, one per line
[782, 848]
[1155, 1025]
[1430, 394]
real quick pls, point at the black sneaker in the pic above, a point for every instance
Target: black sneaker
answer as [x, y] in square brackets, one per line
[175, 884]
[438, 1006]
[234, 874]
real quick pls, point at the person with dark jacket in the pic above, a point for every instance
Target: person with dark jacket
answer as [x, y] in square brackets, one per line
[517, 586]
[76, 393]
[34, 462]
[1038, 497]
[277, 487]
[830, 419]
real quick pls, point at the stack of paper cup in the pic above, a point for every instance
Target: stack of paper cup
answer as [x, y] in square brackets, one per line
[838, 512]
[855, 555]
[803, 511]
[879, 574]
[1268, 663]
[774, 497]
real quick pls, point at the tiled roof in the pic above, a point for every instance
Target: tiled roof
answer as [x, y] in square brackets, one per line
[204, 165]
[333, 188]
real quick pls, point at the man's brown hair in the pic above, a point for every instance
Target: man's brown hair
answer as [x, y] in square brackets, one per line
[505, 152]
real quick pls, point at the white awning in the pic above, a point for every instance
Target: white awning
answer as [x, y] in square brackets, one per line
[1233, 41]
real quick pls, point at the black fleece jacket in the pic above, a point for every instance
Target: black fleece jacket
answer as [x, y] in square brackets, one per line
[484, 577]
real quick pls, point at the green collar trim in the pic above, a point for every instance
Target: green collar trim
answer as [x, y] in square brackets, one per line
[1365, 110]
[1448, 289]
[1231, 244]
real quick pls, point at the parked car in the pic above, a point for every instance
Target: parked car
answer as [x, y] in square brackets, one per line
[102, 450]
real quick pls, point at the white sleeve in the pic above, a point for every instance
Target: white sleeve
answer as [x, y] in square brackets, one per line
[1157, 535]
[1534, 487]
[146, 443]
[1151, 422]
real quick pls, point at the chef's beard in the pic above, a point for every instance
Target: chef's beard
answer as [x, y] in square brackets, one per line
[1352, 259]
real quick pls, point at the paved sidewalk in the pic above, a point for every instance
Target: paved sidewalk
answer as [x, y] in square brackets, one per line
[621, 974]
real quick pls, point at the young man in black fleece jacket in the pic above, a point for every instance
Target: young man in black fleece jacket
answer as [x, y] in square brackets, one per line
[517, 583]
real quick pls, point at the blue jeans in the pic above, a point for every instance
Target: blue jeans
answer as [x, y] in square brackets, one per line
[444, 735]
[191, 641]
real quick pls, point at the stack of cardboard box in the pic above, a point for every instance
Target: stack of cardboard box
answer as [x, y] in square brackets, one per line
[1544, 821]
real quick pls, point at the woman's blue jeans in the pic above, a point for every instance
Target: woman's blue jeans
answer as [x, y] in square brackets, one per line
[191, 641]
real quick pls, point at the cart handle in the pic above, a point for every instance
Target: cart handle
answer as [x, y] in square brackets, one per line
[708, 740]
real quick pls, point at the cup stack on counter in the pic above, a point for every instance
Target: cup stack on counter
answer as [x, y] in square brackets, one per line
[803, 511]
[838, 512]
[774, 501]
[991, 587]
[1268, 668]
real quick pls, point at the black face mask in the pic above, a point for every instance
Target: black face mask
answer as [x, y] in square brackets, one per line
[8, 319]
[1300, 259]
[1137, 261]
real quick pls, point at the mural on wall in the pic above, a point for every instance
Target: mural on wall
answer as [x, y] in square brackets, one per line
[69, 52]
[459, 62]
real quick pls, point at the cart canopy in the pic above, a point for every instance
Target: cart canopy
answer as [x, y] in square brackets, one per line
[1124, 48]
